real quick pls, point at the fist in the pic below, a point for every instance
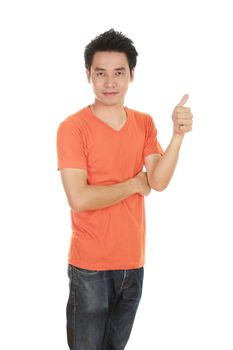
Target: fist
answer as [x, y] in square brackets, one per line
[182, 117]
[143, 186]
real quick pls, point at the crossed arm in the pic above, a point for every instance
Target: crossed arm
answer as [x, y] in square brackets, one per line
[82, 196]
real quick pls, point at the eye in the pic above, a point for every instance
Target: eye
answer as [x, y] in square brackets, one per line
[100, 74]
[119, 73]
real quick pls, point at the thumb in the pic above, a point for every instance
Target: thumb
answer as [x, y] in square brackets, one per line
[183, 100]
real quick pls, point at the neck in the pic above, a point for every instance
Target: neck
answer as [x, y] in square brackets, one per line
[114, 113]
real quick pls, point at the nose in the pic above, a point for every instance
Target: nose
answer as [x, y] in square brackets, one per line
[110, 81]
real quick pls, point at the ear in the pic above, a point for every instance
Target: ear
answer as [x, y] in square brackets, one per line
[88, 73]
[132, 75]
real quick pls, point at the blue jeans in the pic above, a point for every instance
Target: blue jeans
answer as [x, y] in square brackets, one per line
[101, 307]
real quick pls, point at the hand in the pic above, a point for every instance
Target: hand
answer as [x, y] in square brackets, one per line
[182, 117]
[142, 184]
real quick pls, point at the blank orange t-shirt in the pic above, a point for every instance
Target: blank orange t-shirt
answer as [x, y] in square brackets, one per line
[108, 238]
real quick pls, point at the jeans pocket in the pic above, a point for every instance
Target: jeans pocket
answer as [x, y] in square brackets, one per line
[84, 271]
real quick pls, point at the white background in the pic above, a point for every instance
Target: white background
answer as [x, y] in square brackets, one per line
[184, 47]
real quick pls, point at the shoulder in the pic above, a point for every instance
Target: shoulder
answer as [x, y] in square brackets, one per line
[75, 121]
[139, 114]
[140, 117]
[76, 118]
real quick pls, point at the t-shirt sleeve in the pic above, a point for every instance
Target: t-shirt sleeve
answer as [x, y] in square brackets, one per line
[152, 144]
[70, 147]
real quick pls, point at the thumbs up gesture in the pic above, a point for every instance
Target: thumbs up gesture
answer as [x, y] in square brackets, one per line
[182, 117]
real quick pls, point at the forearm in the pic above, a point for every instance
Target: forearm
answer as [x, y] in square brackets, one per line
[96, 197]
[165, 168]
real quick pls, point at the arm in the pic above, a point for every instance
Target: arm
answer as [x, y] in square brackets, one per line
[160, 169]
[82, 196]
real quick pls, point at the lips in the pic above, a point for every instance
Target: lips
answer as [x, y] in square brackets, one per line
[109, 92]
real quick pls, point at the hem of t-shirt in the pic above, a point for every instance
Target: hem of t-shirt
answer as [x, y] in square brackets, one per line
[105, 267]
[75, 166]
[153, 152]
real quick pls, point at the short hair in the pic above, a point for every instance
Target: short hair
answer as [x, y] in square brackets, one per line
[111, 41]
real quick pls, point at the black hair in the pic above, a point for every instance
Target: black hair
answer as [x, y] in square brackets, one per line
[111, 41]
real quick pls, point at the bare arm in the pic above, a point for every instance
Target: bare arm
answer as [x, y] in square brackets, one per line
[161, 169]
[82, 196]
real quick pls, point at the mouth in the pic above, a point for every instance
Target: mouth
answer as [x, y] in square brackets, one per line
[110, 93]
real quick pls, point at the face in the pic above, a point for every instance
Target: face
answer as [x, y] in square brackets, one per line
[110, 77]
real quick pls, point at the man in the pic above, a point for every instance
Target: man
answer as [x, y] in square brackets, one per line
[101, 152]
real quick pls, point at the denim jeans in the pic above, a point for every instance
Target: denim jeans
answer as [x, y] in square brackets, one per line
[101, 307]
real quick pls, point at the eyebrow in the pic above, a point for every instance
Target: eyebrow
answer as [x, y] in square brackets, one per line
[102, 69]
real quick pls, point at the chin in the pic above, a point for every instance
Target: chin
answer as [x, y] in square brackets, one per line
[110, 102]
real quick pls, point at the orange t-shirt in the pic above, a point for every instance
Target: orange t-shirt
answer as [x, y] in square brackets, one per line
[113, 237]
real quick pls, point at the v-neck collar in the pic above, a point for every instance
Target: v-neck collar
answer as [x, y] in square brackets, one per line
[122, 129]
